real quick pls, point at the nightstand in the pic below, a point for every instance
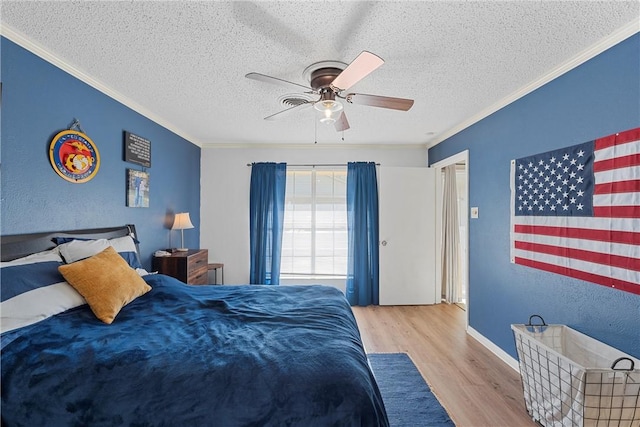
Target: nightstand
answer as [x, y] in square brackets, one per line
[189, 266]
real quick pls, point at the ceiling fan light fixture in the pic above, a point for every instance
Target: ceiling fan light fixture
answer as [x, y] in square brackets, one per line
[330, 105]
[330, 110]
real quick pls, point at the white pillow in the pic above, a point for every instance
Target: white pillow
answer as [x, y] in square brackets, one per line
[76, 250]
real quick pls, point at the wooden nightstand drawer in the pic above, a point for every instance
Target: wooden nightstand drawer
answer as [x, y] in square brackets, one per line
[200, 277]
[189, 266]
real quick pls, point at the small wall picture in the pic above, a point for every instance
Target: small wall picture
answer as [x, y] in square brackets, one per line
[137, 189]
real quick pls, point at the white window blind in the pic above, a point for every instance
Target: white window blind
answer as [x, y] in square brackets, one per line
[314, 240]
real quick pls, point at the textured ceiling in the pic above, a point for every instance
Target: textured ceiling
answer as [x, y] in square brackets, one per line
[182, 63]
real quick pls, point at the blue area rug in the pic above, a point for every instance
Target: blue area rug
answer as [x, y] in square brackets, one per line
[406, 395]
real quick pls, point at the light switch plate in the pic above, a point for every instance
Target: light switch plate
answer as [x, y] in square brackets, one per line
[474, 212]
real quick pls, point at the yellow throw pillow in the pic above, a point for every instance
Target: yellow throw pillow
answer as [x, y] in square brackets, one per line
[106, 281]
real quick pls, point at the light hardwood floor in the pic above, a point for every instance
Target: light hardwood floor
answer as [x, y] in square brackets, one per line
[476, 387]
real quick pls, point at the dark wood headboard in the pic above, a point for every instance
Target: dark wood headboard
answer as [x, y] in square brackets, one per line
[20, 245]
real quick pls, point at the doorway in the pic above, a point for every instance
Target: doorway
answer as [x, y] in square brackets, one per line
[460, 162]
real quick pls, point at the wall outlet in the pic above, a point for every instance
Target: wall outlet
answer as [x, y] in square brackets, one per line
[474, 212]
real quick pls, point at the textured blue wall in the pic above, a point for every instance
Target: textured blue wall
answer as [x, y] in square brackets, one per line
[598, 98]
[38, 101]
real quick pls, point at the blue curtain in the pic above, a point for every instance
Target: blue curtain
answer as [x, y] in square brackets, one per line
[362, 228]
[266, 210]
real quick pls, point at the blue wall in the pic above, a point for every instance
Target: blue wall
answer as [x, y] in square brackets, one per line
[598, 98]
[38, 101]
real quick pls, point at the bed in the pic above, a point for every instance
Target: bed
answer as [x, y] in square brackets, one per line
[176, 354]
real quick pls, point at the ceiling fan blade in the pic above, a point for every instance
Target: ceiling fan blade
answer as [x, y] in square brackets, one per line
[402, 104]
[289, 110]
[359, 68]
[274, 80]
[342, 123]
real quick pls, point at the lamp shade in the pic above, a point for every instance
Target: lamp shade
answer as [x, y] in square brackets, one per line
[182, 221]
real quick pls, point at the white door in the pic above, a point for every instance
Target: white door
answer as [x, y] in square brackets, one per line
[407, 236]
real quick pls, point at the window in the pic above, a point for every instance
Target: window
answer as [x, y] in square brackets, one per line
[314, 242]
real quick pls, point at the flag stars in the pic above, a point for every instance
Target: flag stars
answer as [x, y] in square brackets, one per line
[539, 179]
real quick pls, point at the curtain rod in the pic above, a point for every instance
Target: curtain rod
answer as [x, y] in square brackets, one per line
[313, 166]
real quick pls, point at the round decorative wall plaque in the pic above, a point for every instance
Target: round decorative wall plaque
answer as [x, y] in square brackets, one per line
[74, 156]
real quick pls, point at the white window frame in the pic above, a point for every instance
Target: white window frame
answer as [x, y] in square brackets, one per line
[312, 227]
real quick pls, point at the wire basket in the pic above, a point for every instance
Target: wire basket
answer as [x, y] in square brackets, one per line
[572, 380]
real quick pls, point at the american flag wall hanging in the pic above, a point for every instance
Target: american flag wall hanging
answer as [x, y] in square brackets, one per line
[576, 211]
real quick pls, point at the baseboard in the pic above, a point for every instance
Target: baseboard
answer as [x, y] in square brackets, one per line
[502, 355]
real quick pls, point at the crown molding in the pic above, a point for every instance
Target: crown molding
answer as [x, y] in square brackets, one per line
[24, 42]
[312, 146]
[608, 42]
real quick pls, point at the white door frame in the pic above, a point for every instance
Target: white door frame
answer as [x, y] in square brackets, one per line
[463, 156]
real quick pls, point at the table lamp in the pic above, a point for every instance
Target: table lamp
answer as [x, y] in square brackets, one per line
[181, 222]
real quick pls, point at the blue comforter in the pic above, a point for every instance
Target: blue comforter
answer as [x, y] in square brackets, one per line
[195, 355]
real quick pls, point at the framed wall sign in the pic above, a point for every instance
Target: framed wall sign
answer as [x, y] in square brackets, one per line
[74, 156]
[137, 149]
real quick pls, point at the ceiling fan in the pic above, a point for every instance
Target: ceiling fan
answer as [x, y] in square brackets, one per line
[329, 80]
